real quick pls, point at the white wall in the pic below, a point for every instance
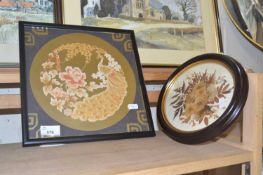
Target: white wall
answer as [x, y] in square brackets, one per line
[10, 129]
[235, 45]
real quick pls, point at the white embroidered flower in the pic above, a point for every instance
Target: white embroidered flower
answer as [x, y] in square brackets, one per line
[58, 93]
[81, 93]
[99, 75]
[51, 54]
[115, 65]
[71, 91]
[47, 89]
[91, 86]
[45, 78]
[108, 56]
[68, 112]
[59, 104]
[94, 76]
[53, 73]
[55, 82]
[48, 65]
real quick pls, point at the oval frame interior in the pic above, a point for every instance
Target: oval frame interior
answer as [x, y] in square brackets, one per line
[234, 13]
[178, 123]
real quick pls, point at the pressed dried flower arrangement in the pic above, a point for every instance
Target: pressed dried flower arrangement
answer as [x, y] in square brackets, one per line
[202, 98]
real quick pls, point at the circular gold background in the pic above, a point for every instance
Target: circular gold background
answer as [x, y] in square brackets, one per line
[44, 101]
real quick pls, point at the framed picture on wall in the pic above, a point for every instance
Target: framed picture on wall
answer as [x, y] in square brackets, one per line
[167, 32]
[81, 83]
[12, 11]
[247, 16]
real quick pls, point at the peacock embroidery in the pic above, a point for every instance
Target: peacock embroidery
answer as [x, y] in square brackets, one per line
[68, 88]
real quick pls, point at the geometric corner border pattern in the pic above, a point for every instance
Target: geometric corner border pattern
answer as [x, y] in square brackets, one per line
[29, 39]
[128, 46]
[32, 121]
[118, 37]
[33, 124]
[142, 122]
[42, 31]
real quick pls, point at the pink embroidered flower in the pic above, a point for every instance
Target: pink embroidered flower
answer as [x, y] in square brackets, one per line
[58, 93]
[74, 77]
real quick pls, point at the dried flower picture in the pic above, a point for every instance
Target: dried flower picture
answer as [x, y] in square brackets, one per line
[199, 94]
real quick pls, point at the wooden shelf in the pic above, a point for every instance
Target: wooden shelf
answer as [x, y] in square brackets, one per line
[147, 156]
[9, 77]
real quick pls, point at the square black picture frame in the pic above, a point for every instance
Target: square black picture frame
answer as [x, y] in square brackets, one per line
[64, 99]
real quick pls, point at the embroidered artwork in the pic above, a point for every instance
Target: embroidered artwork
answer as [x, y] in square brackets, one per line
[69, 91]
[80, 82]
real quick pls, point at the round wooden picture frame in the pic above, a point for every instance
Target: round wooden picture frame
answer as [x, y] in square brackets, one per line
[250, 27]
[202, 98]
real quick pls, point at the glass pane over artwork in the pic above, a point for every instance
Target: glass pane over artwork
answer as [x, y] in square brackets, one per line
[197, 97]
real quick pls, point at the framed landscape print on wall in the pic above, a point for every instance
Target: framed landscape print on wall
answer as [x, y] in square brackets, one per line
[12, 11]
[167, 32]
[81, 84]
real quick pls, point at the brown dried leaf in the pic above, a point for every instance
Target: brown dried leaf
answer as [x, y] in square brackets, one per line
[216, 99]
[221, 96]
[210, 102]
[225, 87]
[177, 90]
[184, 121]
[181, 111]
[220, 88]
[227, 92]
[206, 121]
[176, 95]
[187, 89]
[211, 78]
[178, 104]
[183, 87]
[176, 113]
[175, 101]
[200, 120]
